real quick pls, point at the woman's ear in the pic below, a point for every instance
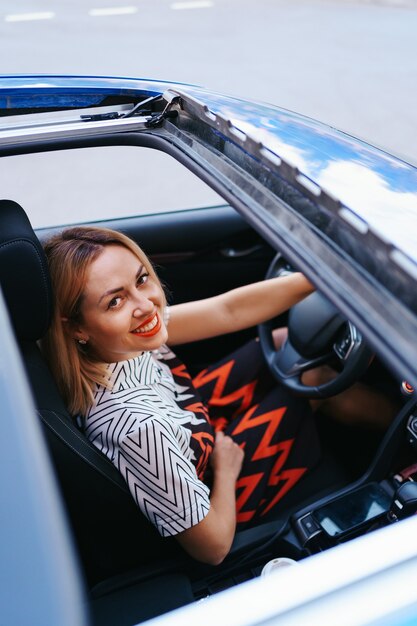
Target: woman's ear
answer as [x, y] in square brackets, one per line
[79, 336]
[74, 330]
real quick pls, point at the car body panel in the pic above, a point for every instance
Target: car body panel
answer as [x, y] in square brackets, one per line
[41, 582]
[366, 180]
[370, 580]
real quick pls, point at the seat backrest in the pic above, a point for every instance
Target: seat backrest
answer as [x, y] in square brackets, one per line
[112, 534]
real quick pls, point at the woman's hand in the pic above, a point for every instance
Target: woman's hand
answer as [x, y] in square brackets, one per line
[211, 539]
[227, 457]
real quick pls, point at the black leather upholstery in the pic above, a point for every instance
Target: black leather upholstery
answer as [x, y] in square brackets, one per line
[23, 273]
[111, 533]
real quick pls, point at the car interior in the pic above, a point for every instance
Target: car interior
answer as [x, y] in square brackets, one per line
[365, 478]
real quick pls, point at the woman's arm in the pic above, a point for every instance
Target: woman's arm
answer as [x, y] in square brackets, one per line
[211, 539]
[236, 309]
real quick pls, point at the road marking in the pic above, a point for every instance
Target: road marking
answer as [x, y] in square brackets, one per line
[112, 11]
[29, 17]
[197, 4]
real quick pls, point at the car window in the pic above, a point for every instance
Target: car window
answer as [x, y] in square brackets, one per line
[73, 186]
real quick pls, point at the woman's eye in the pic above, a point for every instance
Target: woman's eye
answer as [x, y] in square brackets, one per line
[114, 302]
[143, 278]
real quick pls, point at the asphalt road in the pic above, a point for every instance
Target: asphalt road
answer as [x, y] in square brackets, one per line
[350, 63]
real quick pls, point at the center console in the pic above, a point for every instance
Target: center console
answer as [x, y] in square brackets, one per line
[386, 493]
[346, 516]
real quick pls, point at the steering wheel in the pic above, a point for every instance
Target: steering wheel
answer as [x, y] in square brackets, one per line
[317, 335]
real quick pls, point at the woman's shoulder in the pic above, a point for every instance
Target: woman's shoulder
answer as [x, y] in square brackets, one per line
[131, 383]
[135, 373]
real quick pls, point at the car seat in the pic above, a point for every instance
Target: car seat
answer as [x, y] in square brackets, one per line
[113, 536]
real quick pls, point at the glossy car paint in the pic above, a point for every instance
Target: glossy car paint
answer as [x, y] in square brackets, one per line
[369, 580]
[380, 189]
[40, 579]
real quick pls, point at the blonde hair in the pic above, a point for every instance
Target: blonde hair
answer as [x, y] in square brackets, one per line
[70, 254]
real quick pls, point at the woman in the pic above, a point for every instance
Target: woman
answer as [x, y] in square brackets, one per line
[199, 456]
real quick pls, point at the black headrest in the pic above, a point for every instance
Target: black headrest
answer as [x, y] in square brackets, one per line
[24, 275]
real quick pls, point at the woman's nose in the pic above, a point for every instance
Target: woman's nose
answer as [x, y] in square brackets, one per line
[142, 305]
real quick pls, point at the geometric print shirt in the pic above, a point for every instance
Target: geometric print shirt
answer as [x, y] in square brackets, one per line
[154, 428]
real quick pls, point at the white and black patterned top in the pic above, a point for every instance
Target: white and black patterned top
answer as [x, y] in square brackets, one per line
[142, 425]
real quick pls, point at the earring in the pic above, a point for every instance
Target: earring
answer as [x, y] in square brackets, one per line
[82, 342]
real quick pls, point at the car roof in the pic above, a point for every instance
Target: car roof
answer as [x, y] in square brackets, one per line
[378, 189]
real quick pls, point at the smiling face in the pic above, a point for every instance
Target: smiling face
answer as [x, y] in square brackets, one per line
[121, 308]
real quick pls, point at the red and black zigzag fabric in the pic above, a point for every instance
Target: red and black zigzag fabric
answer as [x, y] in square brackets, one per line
[275, 429]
